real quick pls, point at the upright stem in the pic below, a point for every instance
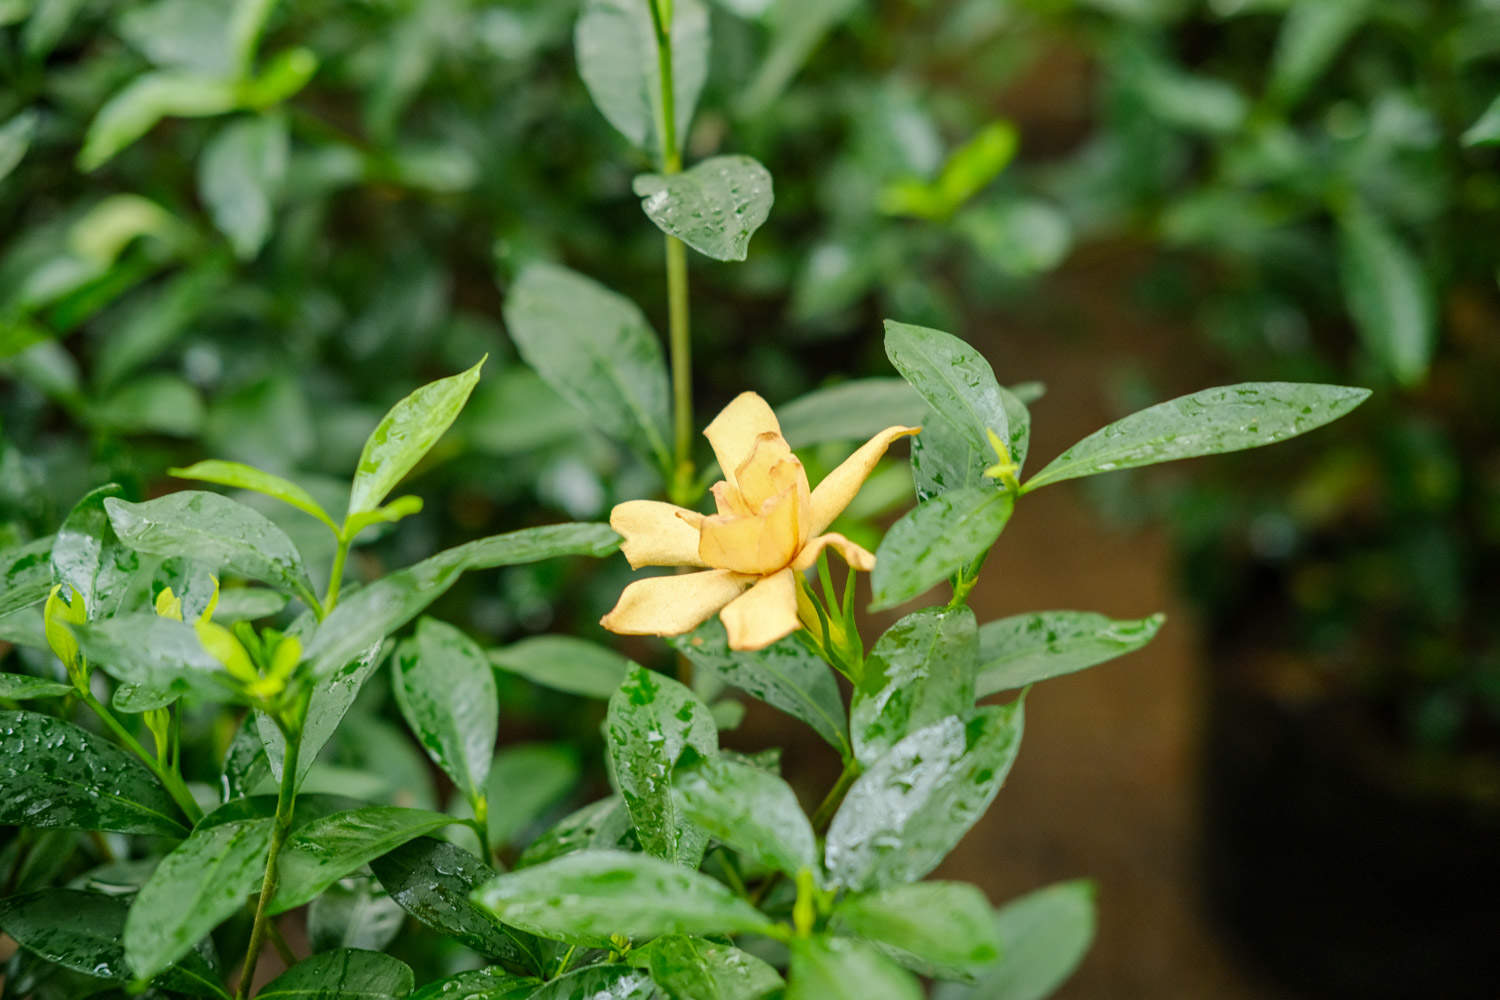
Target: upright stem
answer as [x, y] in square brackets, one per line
[835, 797]
[336, 574]
[285, 799]
[170, 780]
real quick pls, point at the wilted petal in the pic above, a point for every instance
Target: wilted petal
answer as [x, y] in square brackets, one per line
[839, 486]
[728, 502]
[671, 605]
[761, 544]
[733, 432]
[770, 471]
[656, 533]
[856, 556]
[764, 613]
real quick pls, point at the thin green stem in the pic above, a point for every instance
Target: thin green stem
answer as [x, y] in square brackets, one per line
[173, 783]
[481, 826]
[835, 797]
[285, 799]
[336, 575]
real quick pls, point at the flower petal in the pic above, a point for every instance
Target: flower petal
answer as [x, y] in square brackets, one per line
[764, 613]
[760, 544]
[839, 486]
[671, 605]
[656, 533]
[728, 502]
[856, 556]
[733, 432]
[770, 471]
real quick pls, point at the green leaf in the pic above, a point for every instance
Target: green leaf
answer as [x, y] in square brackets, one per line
[1484, 132]
[935, 928]
[615, 45]
[432, 880]
[88, 557]
[826, 968]
[445, 689]
[1388, 295]
[855, 410]
[154, 319]
[565, 663]
[1311, 35]
[405, 434]
[345, 974]
[596, 349]
[24, 687]
[354, 913]
[944, 458]
[1044, 935]
[784, 675]
[247, 477]
[600, 825]
[332, 694]
[25, 575]
[158, 653]
[936, 540]
[714, 207]
[54, 774]
[1207, 422]
[489, 983]
[330, 847]
[690, 968]
[525, 781]
[960, 386]
[374, 612]
[152, 403]
[584, 898]
[15, 139]
[217, 532]
[599, 982]
[140, 104]
[652, 719]
[921, 670]
[240, 176]
[967, 172]
[912, 806]
[1024, 649]
[198, 886]
[750, 810]
[82, 930]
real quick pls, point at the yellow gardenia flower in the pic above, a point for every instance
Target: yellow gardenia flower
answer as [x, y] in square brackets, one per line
[769, 526]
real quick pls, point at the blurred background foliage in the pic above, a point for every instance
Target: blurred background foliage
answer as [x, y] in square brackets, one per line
[243, 230]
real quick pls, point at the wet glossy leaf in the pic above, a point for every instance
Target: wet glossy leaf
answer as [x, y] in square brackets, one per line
[583, 898]
[198, 886]
[88, 557]
[565, 663]
[784, 675]
[596, 349]
[599, 982]
[445, 689]
[82, 930]
[135, 108]
[325, 850]
[1043, 935]
[1207, 422]
[215, 531]
[157, 653]
[921, 670]
[432, 880]
[1024, 649]
[525, 781]
[943, 458]
[405, 434]
[247, 477]
[24, 687]
[652, 719]
[489, 983]
[332, 695]
[54, 774]
[690, 968]
[25, 575]
[935, 928]
[246, 768]
[826, 968]
[750, 810]
[354, 913]
[912, 806]
[345, 974]
[715, 206]
[959, 385]
[855, 410]
[615, 45]
[247, 604]
[936, 540]
[600, 825]
[1388, 295]
[374, 612]
[240, 174]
